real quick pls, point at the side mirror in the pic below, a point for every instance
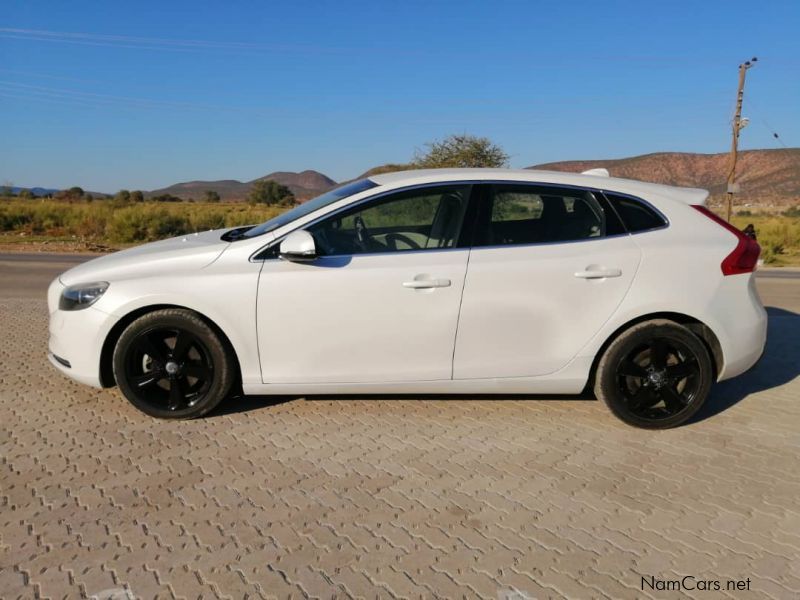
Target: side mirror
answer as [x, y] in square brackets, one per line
[298, 246]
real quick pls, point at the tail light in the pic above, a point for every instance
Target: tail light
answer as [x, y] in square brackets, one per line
[744, 257]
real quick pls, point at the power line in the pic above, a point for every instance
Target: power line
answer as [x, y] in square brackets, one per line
[767, 126]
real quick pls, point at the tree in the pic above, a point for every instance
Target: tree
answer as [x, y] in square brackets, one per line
[25, 194]
[7, 189]
[461, 151]
[137, 196]
[75, 193]
[70, 194]
[123, 196]
[211, 196]
[267, 191]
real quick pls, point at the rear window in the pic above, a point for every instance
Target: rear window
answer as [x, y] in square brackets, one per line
[635, 214]
[527, 214]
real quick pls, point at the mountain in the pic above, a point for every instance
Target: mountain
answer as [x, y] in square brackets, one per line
[768, 178]
[305, 185]
[39, 192]
[228, 189]
[36, 191]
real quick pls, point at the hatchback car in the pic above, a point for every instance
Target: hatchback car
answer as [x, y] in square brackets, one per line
[468, 281]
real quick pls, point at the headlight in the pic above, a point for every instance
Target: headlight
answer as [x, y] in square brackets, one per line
[76, 297]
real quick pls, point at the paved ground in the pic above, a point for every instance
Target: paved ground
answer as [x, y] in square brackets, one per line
[376, 498]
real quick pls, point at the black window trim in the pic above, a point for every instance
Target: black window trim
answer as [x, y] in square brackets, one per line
[464, 242]
[478, 200]
[645, 203]
[556, 186]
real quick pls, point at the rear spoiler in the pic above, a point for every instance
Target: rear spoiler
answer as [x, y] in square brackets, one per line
[598, 172]
[690, 196]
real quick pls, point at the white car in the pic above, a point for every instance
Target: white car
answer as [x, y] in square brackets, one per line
[468, 281]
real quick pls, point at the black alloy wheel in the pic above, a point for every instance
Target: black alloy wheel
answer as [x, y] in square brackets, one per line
[655, 375]
[172, 364]
[168, 368]
[659, 379]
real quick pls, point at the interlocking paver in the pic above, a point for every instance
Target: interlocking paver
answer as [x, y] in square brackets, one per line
[381, 498]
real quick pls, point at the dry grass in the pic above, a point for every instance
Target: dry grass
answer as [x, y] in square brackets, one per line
[778, 235]
[108, 223]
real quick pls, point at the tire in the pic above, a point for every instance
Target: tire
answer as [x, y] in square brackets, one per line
[655, 375]
[170, 364]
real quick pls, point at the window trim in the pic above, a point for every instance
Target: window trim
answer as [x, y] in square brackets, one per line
[479, 190]
[461, 243]
[665, 220]
[483, 213]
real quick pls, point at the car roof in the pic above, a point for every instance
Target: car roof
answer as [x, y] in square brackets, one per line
[613, 184]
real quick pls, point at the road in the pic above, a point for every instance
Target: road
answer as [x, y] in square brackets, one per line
[496, 498]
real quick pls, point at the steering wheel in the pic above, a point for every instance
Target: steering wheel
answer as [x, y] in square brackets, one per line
[362, 233]
[393, 238]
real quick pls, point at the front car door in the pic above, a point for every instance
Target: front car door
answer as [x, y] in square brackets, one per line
[549, 267]
[381, 301]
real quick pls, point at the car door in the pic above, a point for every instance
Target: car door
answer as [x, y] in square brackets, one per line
[548, 268]
[380, 302]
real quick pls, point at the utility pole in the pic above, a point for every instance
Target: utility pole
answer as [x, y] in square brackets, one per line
[737, 126]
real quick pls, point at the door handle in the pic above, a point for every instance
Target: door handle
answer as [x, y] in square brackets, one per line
[598, 273]
[423, 284]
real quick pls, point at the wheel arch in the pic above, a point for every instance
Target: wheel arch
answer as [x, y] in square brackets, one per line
[696, 326]
[107, 353]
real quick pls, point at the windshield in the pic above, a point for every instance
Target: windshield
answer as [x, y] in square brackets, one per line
[348, 189]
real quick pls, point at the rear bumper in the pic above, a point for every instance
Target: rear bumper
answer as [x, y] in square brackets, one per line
[742, 330]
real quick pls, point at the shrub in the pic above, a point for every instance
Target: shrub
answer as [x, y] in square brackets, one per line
[139, 224]
[461, 151]
[267, 191]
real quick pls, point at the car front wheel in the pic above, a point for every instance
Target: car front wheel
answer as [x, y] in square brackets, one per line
[170, 364]
[655, 375]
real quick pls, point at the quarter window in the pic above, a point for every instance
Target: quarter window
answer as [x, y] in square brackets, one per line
[421, 219]
[636, 215]
[520, 214]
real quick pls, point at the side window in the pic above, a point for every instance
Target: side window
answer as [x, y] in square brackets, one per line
[520, 214]
[636, 215]
[421, 219]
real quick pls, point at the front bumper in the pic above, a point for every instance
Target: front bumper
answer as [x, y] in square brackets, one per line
[76, 339]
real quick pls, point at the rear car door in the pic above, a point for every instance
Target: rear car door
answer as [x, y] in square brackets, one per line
[549, 266]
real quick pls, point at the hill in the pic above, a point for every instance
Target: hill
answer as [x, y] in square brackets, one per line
[304, 185]
[768, 178]
[36, 191]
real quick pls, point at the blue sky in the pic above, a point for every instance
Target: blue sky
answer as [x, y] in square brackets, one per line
[111, 95]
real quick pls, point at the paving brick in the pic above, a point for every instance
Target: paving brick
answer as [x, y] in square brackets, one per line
[378, 498]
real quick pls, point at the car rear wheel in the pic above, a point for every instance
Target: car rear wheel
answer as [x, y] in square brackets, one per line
[170, 364]
[655, 375]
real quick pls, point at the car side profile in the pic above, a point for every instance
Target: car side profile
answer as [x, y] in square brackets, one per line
[465, 281]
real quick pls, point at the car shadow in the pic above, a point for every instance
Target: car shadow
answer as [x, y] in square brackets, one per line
[239, 403]
[779, 364]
